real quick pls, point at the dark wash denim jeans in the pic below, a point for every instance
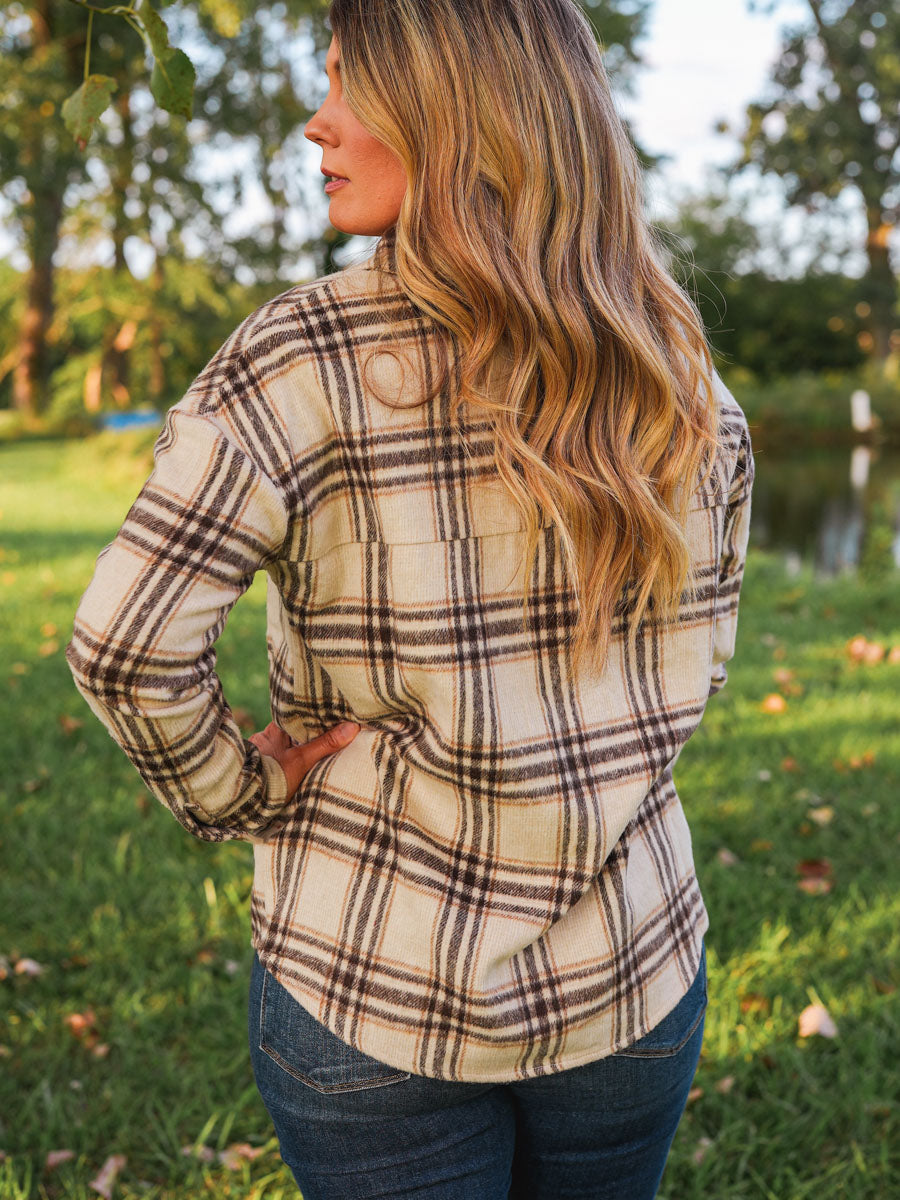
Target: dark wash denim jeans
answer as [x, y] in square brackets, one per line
[351, 1127]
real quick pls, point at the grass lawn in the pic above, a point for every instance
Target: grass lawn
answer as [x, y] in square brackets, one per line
[131, 1039]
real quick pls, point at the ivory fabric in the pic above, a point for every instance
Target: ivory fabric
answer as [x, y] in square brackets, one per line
[494, 880]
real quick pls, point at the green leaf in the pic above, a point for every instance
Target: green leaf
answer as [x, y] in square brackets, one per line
[172, 82]
[156, 29]
[81, 110]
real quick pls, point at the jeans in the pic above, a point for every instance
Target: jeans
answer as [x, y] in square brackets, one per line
[351, 1127]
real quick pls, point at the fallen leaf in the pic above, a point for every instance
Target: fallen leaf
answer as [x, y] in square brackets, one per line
[869, 810]
[883, 988]
[823, 815]
[106, 1177]
[726, 858]
[45, 649]
[694, 1094]
[19, 668]
[74, 962]
[49, 630]
[5, 967]
[815, 887]
[82, 1025]
[783, 675]
[815, 1019]
[30, 786]
[758, 845]
[754, 1002]
[703, 1145]
[232, 1157]
[814, 868]
[858, 761]
[70, 724]
[100, 1050]
[789, 764]
[725, 1084]
[815, 876]
[201, 1153]
[894, 654]
[856, 648]
[774, 703]
[27, 966]
[861, 650]
[56, 1158]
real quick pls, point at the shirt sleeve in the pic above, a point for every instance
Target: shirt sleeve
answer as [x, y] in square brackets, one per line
[731, 564]
[142, 647]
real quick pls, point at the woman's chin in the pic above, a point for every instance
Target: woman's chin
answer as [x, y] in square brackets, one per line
[347, 223]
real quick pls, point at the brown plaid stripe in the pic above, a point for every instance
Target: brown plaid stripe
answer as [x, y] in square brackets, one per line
[494, 879]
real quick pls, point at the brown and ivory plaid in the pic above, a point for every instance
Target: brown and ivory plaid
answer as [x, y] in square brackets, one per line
[494, 880]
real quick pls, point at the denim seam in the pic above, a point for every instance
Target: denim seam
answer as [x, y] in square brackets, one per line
[351, 1086]
[667, 1051]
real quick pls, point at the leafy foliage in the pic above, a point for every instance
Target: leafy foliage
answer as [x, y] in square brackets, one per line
[761, 322]
[830, 124]
[81, 110]
[164, 163]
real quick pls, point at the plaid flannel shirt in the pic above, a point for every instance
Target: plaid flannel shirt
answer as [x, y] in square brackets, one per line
[494, 880]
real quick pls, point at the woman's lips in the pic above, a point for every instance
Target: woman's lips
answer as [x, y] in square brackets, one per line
[333, 184]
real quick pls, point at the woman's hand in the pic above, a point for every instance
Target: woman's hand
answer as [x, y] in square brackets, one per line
[296, 758]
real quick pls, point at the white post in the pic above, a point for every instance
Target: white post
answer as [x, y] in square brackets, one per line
[861, 411]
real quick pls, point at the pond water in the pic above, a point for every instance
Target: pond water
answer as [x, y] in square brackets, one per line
[827, 507]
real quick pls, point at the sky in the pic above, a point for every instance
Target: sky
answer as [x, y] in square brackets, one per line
[704, 61]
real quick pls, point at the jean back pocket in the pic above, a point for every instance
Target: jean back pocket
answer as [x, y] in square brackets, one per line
[677, 1027]
[309, 1051]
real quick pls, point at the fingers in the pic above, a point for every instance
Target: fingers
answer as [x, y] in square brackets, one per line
[271, 740]
[297, 760]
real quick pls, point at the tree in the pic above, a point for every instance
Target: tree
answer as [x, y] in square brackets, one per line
[96, 144]
[830, 123]
[761, 319]
[136, 178]
[41, 52]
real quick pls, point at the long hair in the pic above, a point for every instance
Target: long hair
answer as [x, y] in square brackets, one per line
[522, 234]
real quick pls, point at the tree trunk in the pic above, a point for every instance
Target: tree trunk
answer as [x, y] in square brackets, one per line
[43, 216]
[117, 356]
[157, 367]
[880, 287]
[30, 375]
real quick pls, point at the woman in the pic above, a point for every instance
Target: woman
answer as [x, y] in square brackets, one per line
[502, 500]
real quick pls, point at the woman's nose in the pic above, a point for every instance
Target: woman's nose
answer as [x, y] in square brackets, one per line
[317, 129]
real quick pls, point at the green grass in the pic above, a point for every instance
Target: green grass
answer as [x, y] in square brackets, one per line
[141, 924]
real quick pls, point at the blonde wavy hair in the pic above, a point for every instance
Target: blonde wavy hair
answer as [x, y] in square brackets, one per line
[522, 234]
